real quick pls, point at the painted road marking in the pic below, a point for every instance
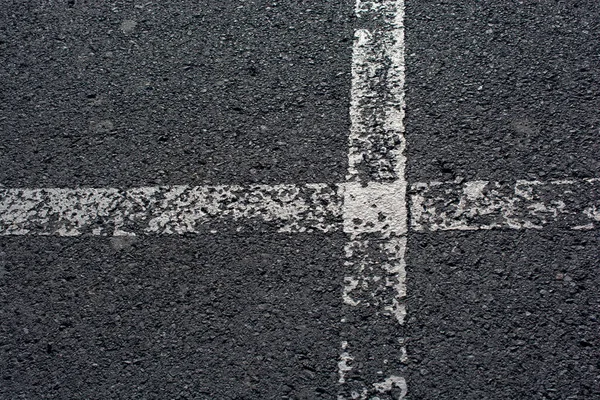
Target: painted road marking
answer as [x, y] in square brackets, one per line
[167, 209]
[374, 207]
[434, 206]
[371, 207]
[488, 205]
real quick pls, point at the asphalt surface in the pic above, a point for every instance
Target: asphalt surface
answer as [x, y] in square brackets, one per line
[124, 94]
[504, 315]
[503, 91]
[182, 92]
[201, 317]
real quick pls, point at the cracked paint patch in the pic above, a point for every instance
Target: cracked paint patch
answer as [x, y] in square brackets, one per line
[391, 383]
[375, 208]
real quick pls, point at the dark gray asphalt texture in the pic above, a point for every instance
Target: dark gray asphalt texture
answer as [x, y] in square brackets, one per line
[503, 90]
[504, 315]
[123, 93]
[201, 317]
[126, 93]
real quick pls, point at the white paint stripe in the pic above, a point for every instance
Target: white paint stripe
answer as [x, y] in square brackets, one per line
[166, 210]
[374, 207]
[479, 205]
[379, 276]
[570, 204]
[376, 141]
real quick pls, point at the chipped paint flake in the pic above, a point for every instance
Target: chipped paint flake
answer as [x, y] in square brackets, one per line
[344, 363]
[593, 212]
[474, 190]
[391, 383]
[350, 283]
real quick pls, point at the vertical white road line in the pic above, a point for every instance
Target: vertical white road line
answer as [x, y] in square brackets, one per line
[373, 355]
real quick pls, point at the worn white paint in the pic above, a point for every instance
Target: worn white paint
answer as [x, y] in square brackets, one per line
[344, 363]
[350, 283]
[486, 205]
[379, 276]
[166, 210]
[474, 190]
[593, 212]
[390, 383]
[374, 206]
[367, 210]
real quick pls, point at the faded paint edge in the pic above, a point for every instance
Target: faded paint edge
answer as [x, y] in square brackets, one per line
[483, 205]
[167, 210]
[374, 207]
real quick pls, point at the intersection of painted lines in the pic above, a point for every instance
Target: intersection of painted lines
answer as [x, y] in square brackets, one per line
[370, 206]
[369, 215]
[375, 207]
[434, 206]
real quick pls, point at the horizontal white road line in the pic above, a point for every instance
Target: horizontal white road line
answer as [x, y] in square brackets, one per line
[571, 204]
[167, 210]
[298, 208]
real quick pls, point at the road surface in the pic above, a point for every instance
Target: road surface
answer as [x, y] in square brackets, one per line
[299, 200]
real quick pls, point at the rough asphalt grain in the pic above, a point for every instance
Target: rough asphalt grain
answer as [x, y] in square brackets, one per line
[132, 93]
